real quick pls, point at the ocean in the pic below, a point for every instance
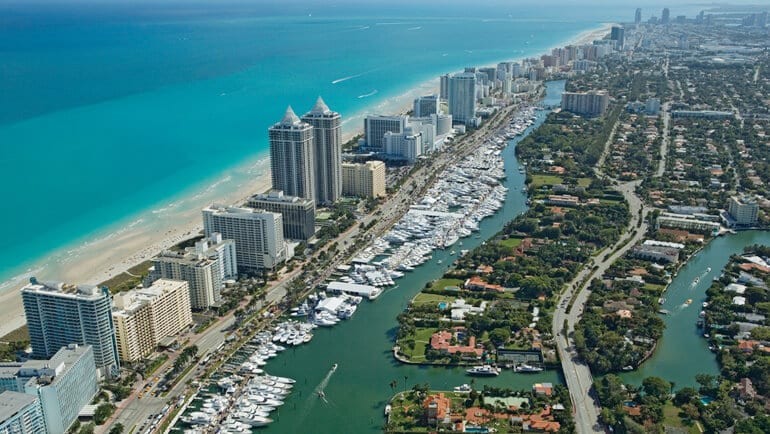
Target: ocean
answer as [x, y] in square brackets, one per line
[113, 115]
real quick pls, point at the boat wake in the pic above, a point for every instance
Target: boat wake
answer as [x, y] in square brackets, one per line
[367, 95]
[319, 390]
[349, 77]
[415, 28]
[318, 394]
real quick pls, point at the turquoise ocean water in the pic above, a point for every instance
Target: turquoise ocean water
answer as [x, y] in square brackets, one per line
[108, 112]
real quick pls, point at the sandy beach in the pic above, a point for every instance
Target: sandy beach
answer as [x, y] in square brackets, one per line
[140, 237]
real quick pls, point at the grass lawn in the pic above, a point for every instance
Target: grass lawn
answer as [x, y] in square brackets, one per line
[541, 180]
[422, 299]
[671, 419]
[608, 202]
[129, 279]
[511, 242]
[584, 182]
[421, 338]
[654, 287]
[18, 335]
[443, 283]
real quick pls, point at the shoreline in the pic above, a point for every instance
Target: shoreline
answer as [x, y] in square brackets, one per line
[94, 258]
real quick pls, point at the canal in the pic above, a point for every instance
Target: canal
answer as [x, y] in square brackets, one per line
[683, 352]
[357, 392]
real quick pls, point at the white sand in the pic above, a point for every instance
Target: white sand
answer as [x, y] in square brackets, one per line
[118, 249]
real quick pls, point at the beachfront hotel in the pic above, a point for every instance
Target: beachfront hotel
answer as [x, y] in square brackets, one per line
[328, 152]
[60, 314]
[406, 146]
[20, 413]
[63, 384]
[145, 317]
[258, 235]
[363, 180]
[425, 106]
[292, 158]
[375, 127]
[204, 267]
[298, 213]
[462, 97]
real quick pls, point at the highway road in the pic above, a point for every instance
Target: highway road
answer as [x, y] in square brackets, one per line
[577, 374]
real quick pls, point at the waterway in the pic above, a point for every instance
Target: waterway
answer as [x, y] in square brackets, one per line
[356, 394]
[682, 352]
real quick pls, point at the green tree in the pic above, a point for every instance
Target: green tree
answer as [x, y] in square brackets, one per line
[103, 412]
[656, 387]
[117, 428]
[500, 335]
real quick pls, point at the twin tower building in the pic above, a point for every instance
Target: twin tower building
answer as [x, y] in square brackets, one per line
[306, 154]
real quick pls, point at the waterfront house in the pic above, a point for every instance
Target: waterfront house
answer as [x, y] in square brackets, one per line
[437, 409]
[542, 389]
[475, 283]
[442, 341]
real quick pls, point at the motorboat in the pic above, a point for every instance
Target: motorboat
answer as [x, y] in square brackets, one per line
[525, 368]
[483, 371]
[463, 388]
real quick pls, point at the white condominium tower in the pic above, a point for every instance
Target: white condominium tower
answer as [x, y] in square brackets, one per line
[328, 152]
[204, 267]
[292, 159]
[258, 235]
[60, 314]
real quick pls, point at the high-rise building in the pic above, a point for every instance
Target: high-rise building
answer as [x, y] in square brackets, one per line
[743, 210]
[375, 127]
[204, 267]
[593, 103]
[618, 34]
[425, 106]
[20, 413]
[298, 213]
[407, 145]
[462, 97]
[444, 87]
[144, 317]
[638, 16]
[490, 73]
[258, 235]
[665, 17]
[328, 152]
[63, 384]
[60, 314]
[364, 180]
[292, 157]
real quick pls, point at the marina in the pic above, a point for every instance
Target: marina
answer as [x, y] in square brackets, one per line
[346, 399]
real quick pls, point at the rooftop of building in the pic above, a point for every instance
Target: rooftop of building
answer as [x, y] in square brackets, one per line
[47, 370]
[320, 109]
[280, 197]
[12, 403]
[128, 302]
[62, 289]
[241, 211]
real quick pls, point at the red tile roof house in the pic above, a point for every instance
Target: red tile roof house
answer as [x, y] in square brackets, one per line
[442, 341]
[437, 408]
[747, 346]
[475, 283]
